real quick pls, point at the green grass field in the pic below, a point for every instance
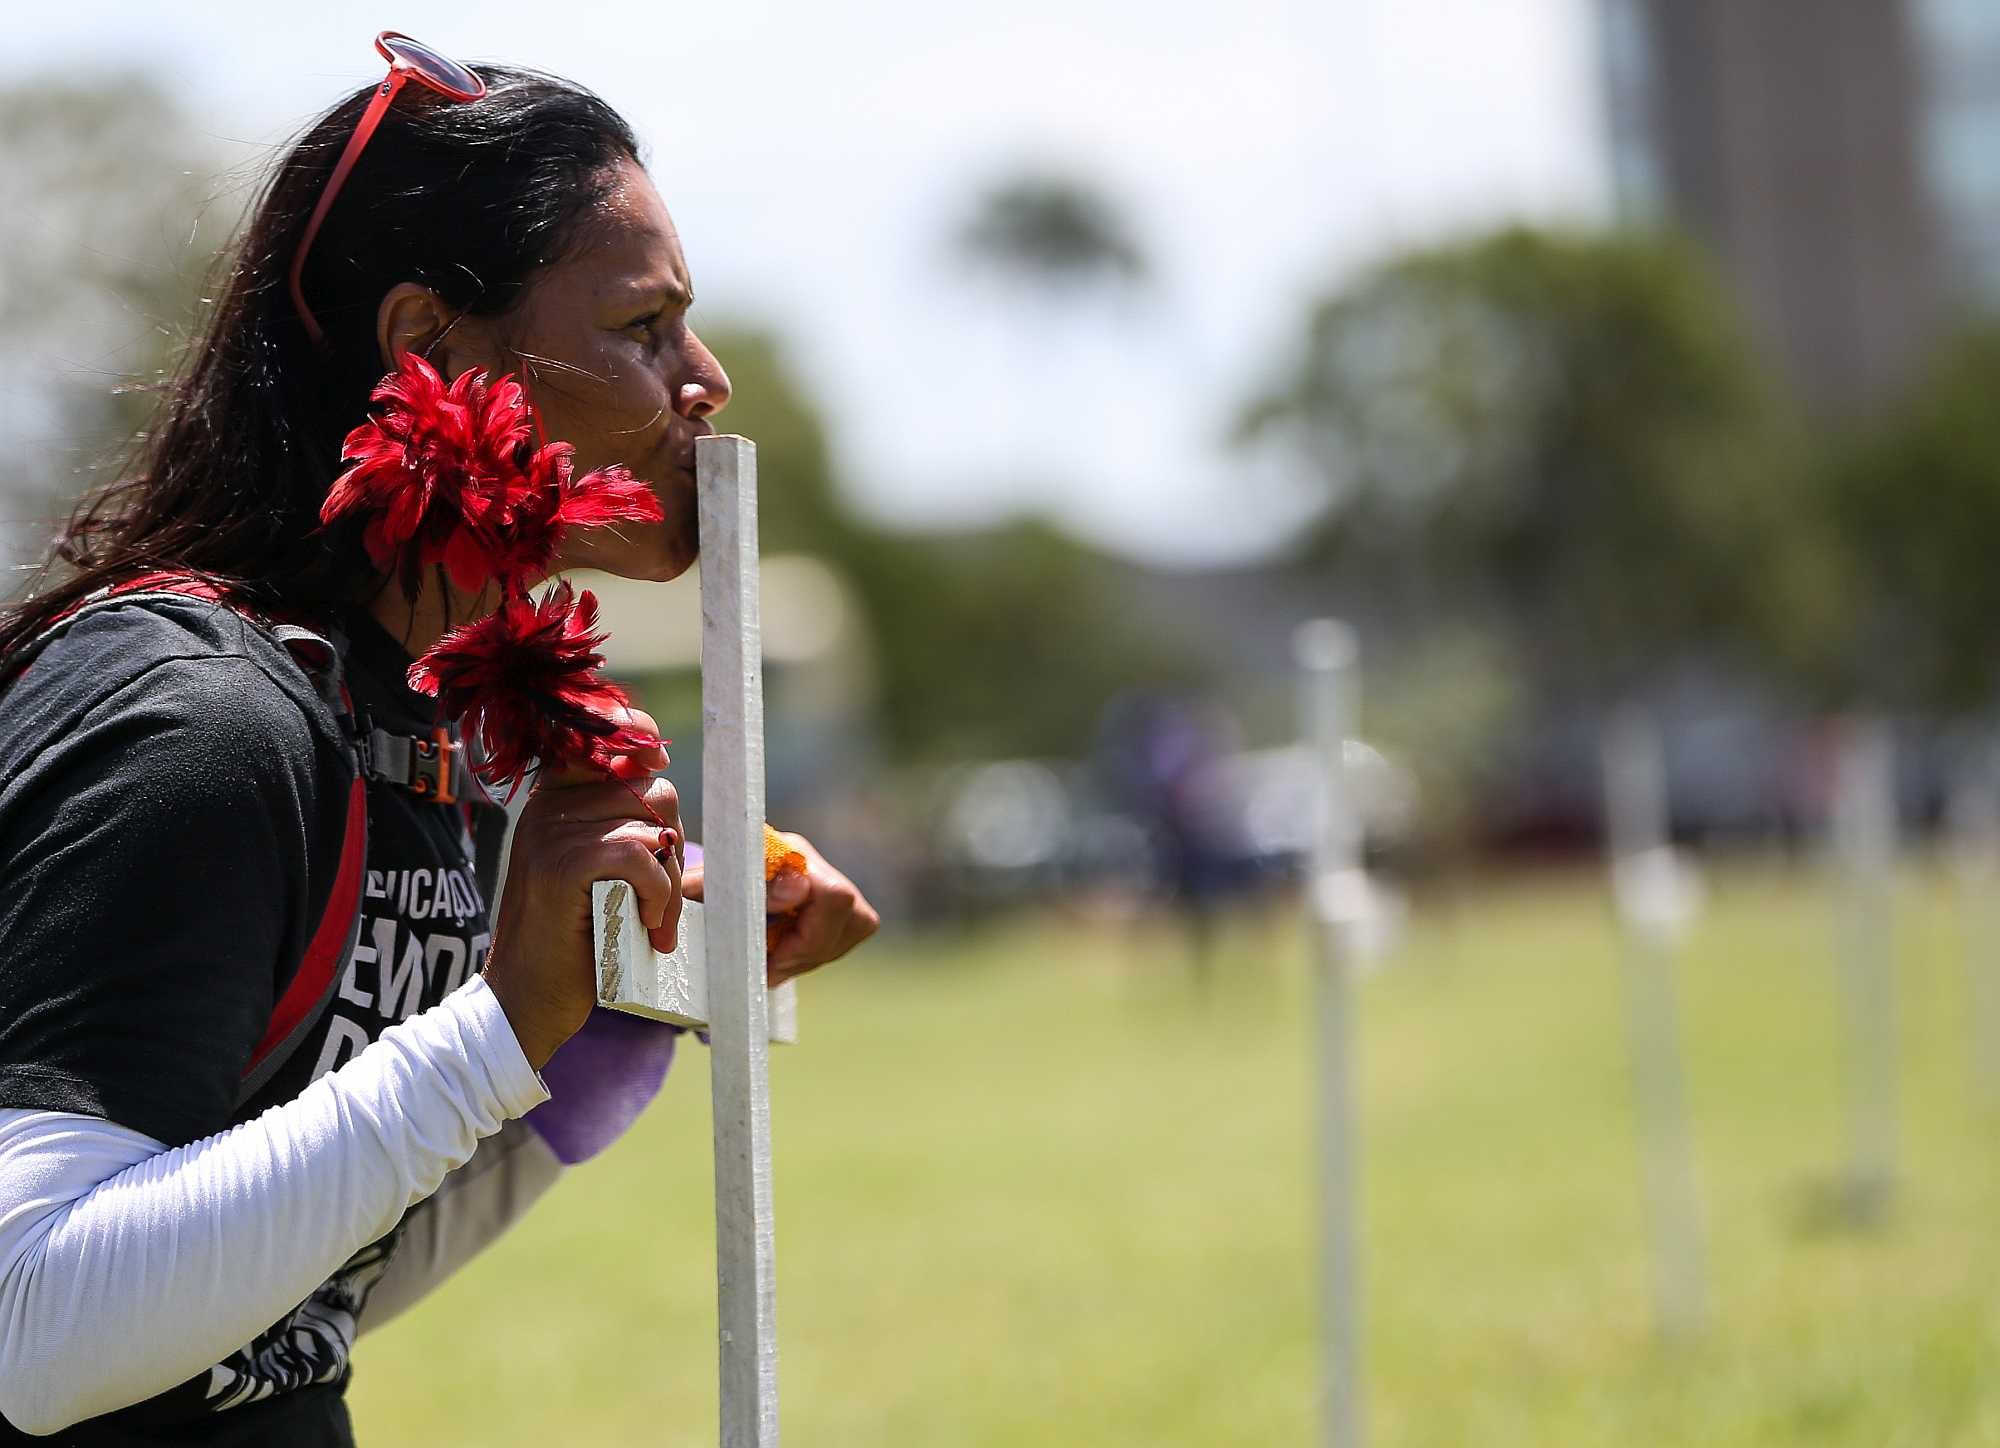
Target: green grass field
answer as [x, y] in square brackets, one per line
[1034, 1189]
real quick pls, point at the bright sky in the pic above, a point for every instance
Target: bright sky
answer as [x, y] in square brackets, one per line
[817, 159]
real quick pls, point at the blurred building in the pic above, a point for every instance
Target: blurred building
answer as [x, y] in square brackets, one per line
[1961, 137]
[1840, 157]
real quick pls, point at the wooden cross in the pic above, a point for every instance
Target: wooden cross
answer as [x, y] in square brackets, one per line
[1325, 651]
[1865, 847]
[1654, 895]
[714, 978]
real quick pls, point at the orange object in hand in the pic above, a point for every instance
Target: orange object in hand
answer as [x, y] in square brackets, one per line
[779, 858]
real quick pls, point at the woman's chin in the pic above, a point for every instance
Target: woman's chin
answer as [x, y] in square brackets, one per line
[650, 557]
[663, 571]
[650, 569]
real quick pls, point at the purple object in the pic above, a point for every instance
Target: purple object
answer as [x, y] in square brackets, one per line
[602, 1077]
[599, 1080]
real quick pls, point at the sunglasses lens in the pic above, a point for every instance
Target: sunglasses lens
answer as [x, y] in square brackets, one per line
[445, 74]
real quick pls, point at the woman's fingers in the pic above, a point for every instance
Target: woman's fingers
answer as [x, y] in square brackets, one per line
[622, 832]
[599, 799]
[667, 850]
[646, 761]
[640, 764]
[540, 964]
[834, 918]
[632, 766]
[631, 853]
[578, 828]
[818, 916]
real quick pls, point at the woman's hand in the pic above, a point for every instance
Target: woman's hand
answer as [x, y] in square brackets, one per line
[578, 828]
[822, 915]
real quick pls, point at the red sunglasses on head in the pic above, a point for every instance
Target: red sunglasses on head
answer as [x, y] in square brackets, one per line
[408, 60]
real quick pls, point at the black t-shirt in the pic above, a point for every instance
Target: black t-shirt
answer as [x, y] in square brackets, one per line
[172, 806]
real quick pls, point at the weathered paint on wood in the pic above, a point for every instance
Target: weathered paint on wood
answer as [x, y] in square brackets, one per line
[665, 986]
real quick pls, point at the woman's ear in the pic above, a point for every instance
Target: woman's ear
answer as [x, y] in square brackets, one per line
[412, 317]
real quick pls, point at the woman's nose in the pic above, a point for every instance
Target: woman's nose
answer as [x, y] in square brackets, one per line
[695, 400]
[704, 388]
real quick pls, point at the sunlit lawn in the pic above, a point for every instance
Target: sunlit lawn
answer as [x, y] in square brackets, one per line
[1034, 1188]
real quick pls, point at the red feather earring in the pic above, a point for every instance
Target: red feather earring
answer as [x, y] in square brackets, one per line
[450, 475]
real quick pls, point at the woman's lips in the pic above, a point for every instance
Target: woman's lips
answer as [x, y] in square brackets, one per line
[677, 449]
[682, 458]
[684, 454]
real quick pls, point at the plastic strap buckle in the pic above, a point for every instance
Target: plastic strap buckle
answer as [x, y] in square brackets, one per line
[431, 768]
[434, 767]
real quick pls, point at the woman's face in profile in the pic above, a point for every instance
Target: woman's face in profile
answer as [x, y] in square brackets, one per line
[605, 348]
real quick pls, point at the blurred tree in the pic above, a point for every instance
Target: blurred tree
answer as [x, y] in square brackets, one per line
[998, 642]
[105, 237]
[1026, 599]
[800, 507]
[1054, 232]
[1012, 643]
[1917, 504]
[1443, 707]
[1059, 250]
[1563, 439]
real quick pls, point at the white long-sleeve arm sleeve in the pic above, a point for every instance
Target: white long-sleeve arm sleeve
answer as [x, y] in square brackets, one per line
[467, 1214]
[126, 1269]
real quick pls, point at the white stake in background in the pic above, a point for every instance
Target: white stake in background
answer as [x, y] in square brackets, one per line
[1336, 895]
[1974, 819]
[1656, 895]
[715, 975]
[1864, 844]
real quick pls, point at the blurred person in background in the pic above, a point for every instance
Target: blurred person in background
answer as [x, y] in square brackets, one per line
[1159, 757]
[204, 1198]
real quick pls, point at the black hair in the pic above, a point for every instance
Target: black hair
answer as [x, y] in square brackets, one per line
[471, 199]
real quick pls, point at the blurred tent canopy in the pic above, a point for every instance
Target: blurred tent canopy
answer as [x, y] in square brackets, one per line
[807, 610]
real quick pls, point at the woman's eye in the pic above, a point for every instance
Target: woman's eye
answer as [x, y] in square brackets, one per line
[644, 324]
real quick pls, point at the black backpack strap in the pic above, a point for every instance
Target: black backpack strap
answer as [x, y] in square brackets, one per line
[103, 599]
[432, 768]
[319, 655]
[490, 824]
[332, 942]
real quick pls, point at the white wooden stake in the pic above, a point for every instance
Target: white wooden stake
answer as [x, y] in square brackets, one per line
[1973, 810]
[732, 720]
[1652, 893]
[713, 979]
[1864, 842]
[1325, 651]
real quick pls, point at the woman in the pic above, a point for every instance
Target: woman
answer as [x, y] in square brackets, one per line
[202, 1200]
